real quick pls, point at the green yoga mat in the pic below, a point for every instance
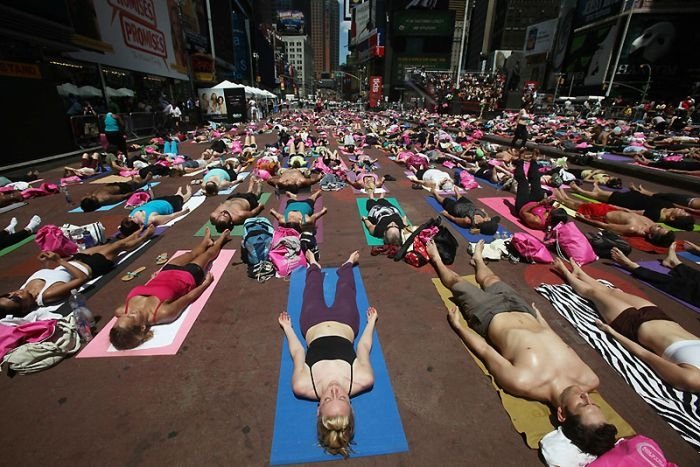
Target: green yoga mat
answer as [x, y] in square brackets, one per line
[362, 207]
[237, 230]
[665, 226]
[12, 248]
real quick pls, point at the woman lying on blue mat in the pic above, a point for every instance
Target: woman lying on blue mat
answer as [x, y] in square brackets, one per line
[330, 371]
[642, 328]
[299, 214]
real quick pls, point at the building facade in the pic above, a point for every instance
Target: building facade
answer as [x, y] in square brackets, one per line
[325, 35]
[300, 58]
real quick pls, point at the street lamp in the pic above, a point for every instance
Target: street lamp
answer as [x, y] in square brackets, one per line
[646, 86]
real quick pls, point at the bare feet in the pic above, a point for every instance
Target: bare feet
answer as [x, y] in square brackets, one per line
[688, 245]
[477, 255]
[207, 238]
[225, 237]
[620, 258]
[453, 316]
[433, 253]
[561, 268]
[290, 195]
[354, 257]
[311, 258]
[671, 260]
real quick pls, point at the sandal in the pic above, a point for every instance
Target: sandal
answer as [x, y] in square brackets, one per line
[162, 258]
[133, 274]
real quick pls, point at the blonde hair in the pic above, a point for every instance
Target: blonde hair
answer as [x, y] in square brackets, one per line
[335, 434]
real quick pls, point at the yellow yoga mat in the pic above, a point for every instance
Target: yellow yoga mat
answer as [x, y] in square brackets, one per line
[529, 417]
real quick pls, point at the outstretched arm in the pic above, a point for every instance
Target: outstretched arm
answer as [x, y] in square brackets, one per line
[297, 352]
[364, 345]
[171, 311]
[675, 375]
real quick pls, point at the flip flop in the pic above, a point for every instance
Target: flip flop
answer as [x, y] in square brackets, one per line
[133, 274]
[162, 258]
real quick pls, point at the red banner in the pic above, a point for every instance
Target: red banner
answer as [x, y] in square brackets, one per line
[375, 91]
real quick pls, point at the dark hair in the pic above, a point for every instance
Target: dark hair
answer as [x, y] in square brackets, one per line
[594, 440]
[127, 227]
[662, 239]
[89, 204]
[211, 189]
[614, 182]
[296, 164]
[558, 216]
[682, 222]
[221, 226]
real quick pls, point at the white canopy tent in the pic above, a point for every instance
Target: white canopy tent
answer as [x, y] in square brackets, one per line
[250, 92]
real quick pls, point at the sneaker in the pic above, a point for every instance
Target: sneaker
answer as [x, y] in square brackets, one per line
[33, 224]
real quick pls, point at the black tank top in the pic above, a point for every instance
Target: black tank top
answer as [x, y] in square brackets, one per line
[330, 348]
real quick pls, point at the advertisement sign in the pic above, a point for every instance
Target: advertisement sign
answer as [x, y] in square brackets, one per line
[290, 23]
[539, 37]
[588, 11]
[361, 23]
[241, 60]
[420, 4]
[667, 44]
[424, 23]
[142, 36]
[375, 91]
[349, 5]
[590, 54]
[236, 104]
[212, 103]
[404, 63]
[565, 26]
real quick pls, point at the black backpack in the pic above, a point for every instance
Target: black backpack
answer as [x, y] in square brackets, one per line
[445, 242]
[604, 241]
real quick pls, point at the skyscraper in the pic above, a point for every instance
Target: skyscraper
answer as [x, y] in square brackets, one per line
[325, 30]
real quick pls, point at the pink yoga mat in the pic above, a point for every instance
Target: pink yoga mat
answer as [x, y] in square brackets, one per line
[317, 207]
[100, 345]
[499, 205]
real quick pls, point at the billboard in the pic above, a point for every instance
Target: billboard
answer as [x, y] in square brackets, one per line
[361, 23]
[375, 91]
[665, 42]
[290, 23]
[539, 37]
[241, 51]
[590, 54]
[223, 104]
[419, 4]
[349, 5]
[142, 36]
[565, 26]
[424, 23]
[589, 11]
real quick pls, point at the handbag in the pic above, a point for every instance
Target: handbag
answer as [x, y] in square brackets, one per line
[530, 249]
[603, 241]
[52, 238]
[96, 230]
[569, 242]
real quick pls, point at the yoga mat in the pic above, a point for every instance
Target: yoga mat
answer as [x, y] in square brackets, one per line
[11, 248]
[237, 230]
[489, 182]
[696, 228]
[11, 207]
[362, 208]
[658, 267]
[677, 408]
[108, 207]
[531, 418]
[167, 338]
[378, 428]
[463, 231]
[196, 172]
[499, 205]
[616, 158]
[192, 204]
[110, 179]
[318, 206]
[377, 191]
[689, 256]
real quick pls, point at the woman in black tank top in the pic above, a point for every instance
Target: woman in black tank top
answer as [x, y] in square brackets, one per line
[331, 371]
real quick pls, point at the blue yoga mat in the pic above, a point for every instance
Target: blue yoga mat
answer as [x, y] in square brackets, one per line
[464, 232]
[107, 207]
[378, 428]
[689, 256]
[488, 182]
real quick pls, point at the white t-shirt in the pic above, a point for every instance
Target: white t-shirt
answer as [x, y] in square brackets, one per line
[436, 176]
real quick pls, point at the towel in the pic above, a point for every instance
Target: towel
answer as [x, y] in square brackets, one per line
[680, 409]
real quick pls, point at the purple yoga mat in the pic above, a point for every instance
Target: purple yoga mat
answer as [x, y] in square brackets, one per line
[656, 266]
[317, 207]
[617, 158]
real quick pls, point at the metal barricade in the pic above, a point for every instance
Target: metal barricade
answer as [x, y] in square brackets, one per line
[85, 129]
[142, 123]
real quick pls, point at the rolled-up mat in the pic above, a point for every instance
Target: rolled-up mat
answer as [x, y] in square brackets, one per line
[378, 428]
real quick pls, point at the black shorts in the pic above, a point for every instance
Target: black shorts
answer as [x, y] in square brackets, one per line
[419, 173]
[195, 271]
[250, 197]
[98, 264]
[176, 201]
[627, 323]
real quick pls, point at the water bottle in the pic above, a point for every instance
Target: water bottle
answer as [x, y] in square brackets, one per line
[83, 316]
[66, 194]
[88, 240]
